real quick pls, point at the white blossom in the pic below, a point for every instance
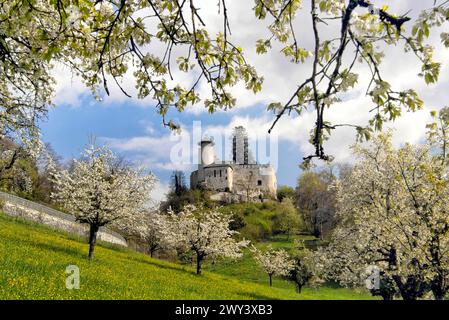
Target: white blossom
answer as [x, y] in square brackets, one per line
[205, 232]
[394, 216]
[101, 191]
[273, 262]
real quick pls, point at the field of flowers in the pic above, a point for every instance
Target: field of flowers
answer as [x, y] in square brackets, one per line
[33, 261]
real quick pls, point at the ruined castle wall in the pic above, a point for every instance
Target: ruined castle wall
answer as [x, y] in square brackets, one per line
[268, 176]
[218, 178]
[257, 179]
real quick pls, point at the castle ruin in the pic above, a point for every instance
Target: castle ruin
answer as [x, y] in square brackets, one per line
[239, 180]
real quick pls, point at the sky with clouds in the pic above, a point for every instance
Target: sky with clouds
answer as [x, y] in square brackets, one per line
[132, 127]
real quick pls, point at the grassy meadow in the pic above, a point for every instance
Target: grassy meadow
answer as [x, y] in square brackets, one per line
[246, 269]
[33, 260]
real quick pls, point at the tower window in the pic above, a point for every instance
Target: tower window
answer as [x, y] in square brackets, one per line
[259, 182]
[215, 173]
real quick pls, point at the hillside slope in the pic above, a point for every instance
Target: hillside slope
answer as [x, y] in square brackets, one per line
[33, 260]
[246, 269]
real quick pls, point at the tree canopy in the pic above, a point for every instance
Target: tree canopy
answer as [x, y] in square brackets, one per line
[363, 35]
[393, 217]
[101, 41]
[203, 231]
[99, 191]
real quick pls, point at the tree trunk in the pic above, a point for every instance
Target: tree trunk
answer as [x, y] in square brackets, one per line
[408, 297]
[437, 287]
[411, 289]
[387, 296]
[199, 259]
[438, 295]
[93, 230]
[151, 250]
[271, 282]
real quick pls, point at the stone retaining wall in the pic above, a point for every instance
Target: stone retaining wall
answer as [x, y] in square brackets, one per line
[19, 207]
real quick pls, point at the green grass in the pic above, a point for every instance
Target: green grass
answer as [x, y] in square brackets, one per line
[247, 269]
[33, 260]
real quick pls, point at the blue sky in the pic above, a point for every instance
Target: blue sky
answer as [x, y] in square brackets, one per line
[132, 127]
[68, 128]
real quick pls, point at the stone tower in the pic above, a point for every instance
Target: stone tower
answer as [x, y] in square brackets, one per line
[207, 152]
[242, 179]
[240, 153]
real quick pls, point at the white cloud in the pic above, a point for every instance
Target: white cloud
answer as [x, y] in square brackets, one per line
[139, 144]
[165, 152]
[281, 79]
[170, 166]
[410, 127]
[69, 88]
[160, 191]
